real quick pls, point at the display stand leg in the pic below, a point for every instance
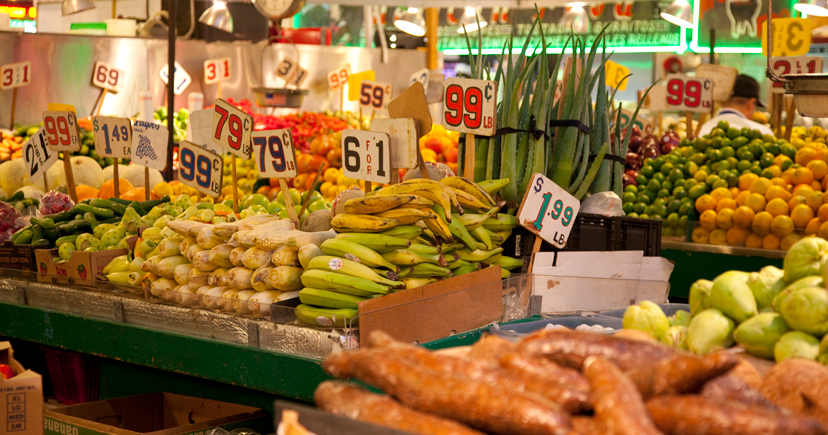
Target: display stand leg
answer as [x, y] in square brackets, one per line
[535, 249]
[218, 89]
[310, 191]
[70, 177]
[46, 181]
[115, 179]
[291, 209]
[367, 187]
[146, 183]
[469, 157]
[100, 103]
[660, 123]
[790, 120]
[14, 103]
[342, 98]
[235, 190]
[689, 120]
[702, 120]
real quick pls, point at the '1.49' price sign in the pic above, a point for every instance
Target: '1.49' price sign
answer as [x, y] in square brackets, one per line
[548, 211]
[470, 106]
[276, 154]
[366, 156]
[685, 93]
[199, 168]
[113, 136]
[794, 65]
[232, 129]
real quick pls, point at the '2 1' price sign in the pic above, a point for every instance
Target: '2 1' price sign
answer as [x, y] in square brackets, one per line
[61, 131]
[548, 211]
[108, 77]
[15, 75]
[470, 106]
[216, 70]
[374, 95]
[232, 129]
[686, 93]
[366, 156]
[339, 77]
[794, 65]
[276, 154]
[37, 157]
[199, 168]
[113, 136]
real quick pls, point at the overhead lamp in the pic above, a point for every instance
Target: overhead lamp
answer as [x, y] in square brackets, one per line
[576, 18]
[69, 7]
[679, 13]
[470, 19]
[817, 8]
[218, 16]
[410, 20]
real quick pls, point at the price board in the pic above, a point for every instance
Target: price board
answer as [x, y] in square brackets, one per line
[113, 136]
[685, 93]
[374, 95]
[339, 76]
[216, 70]
[420, 76]
[791, 37]
[470, 106]
[15, 75]
[276, 155]
[149, 145]
[366, 156]
[724, 77]
[656, 99]
[646, 125]
[548, 211]
[616, 75]
[181, 79]
[199, 168]
[354, 81]
[108, 77]
[61, 131]
[794, 65]
[290, 71]
[402, 133]
[37, 157]
[232, 129]
[201, 127]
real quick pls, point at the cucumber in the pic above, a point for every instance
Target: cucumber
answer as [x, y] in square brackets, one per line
[24, 238]
[37, 232]
[137, 207]
[52, 234]
[120, 201]
[114, 220]
[40, 242]
[148, 205]
[18, 232]
[118, 208]
[18, 196]
[45, 223]
[99, 212]
[102, 203]
[59, 217]
[75, 226]
[66, 239]
[90, 217]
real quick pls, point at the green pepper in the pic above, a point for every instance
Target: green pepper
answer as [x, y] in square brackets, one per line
[46, 223]
[90, 217]
[24, 238]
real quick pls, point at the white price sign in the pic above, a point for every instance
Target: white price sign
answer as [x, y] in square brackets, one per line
[420, 76]
[470, 106]
[339, 77]
[37, 156]
[276, 156]
[366, 156]
[15, 75]
[656, 99]
[548, 211]
[685, 93]
[199, 168]
[113, 136]
[181, 79]
[108, 77]
[216, 70]
[201, 129]
[374, 95]
[149, 144]
[794, 65]
[232, 129]
[289, 70]
[61, 131]
[402, 132]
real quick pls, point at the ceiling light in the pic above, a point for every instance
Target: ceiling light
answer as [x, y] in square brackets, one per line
[817, 8]
[69, 7]
[469, 19]
[410, 20]
[680, 13]
[218, 16]
[576, 18]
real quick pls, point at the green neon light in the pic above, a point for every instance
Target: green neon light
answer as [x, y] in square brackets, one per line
[694, 45]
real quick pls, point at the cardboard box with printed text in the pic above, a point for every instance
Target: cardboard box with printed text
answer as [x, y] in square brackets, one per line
[21, 398]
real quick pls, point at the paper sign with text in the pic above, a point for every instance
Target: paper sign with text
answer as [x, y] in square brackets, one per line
[354, 80]
[232, 129]
[470, 106]
[685, 93]
[201, 129]
[339, 77]
[420, 76]
[366, 156]
[616, 75]
[216, 70]
[199, 168]
[790, 37]
[108, 77]
[61, 131]
[37, 157]
[724, 77]
[113, 136]
[290, 71]
[374, 95]
[15, 75]
[275, 153]
[149, 145]
[402, 133]
[182, 78]
[794, 65]
[548, 211]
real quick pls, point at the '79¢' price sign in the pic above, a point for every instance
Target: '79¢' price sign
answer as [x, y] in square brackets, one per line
[232, 129]
[366, 156]
[470, 106]
[276, 154]
[548, 211]
[685, 93]
[199, 168]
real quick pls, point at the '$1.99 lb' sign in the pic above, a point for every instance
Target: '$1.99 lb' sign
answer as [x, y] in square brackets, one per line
[366, 155]
[548, 211]
[685, 93]
[200, 169]
[470, 106]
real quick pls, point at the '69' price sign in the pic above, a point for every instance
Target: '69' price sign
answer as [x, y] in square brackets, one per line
[199, 168]
[108, 77]
[276, 157]
[470, 106]
[686, 93]
[548, 211]
[61, 131]
[232, 129]
[366, 156]
[36, 156]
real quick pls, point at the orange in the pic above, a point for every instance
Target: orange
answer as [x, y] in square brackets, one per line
[725, 203]
[778, 181]
[754, 241]
[802, 189]
[825, 184]
[822, 213]
[819, 168]
[761, 223]
[705, 202]
[718, 237]
[789, 241]
[801, 215]
[108, 188]
[734, 191]
[814, 200]
[707, 220]
[795, 201]
[770, 242]
[331, 174]
[782, 225]
[823, 230]
[756, 201]
[742, 197]
[724, 219]
[700, 235]
[802, 176]
[778, 160]
[134, 194]
[817, 186]
[775, 171]
[805, 155]
[775, 191]
[813, 227]
[746, 180]
[721, 192]
[743, 216]
[788, 175]
[85, 192]
[736, 236]
[760, 185]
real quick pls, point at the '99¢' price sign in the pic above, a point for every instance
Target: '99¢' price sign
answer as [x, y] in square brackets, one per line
[61, 131]
[470, 106]
[199, 168]
[548, 211]
[232, 129]
[685, 93]
[366, 156]
[276, 156]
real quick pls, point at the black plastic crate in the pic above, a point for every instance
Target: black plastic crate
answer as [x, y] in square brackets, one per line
[639, 235]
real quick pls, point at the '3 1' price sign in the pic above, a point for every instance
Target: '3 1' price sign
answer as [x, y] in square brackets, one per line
[61, 131]
[232, 129]
[548, 211]
[366, 156]
[470, 106]
[276, 154]
[113, 136]
[216, 70]
[199, 168]
[15, 75]
[37, 157]
[685, 93]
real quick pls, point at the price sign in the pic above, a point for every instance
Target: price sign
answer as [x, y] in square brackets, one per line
[289, 70]
[199, 168]
[657, 98]
[108, 77]
[232, 129]
[791, 37]
[616, 75]
[113, 136]
[339, 77]
[15, 75]
[419, 76]
[276, 154]
[686, 93]
[149, 145]
[794, 65]
[201, 127]
[402, 133]
[548, 211]
[646, 125]
[180, 78]
[354, 82]
[37, 156]
[366, 156]
[374, 95]
[216, 70]
[470, 106]
[724, 77]
[61, 131]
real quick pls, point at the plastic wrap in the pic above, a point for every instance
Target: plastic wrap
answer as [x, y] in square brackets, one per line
[604, 204]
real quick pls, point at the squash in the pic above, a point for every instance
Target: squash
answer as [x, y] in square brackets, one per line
[87, 171]
[135, 175]
[134, 194]
[108, 172]
[108, 188]
[85, 192]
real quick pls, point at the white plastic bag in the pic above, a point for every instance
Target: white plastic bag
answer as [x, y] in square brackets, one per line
[605, 203]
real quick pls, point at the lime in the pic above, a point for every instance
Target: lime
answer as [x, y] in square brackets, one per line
[740, 142]
[732, 180]
[713, 154]
[700, 175]
[773, 148]
[690, 169]
[672, 158]
[756, 170]
[757, 149]
[684, 210]
[666, 168]
[724, 174]
[659, 176]
[688, 183]
[711, 179]
[628, 207]
[698, 190]
[720, 183]
[631, 188]
[795, 166]
[744, 165]
[658, 162]
[716, 142]
[788, 150]
[633, 215]
[724, 125]
[726, 142]
[660, 210]
[649, 210]
[672, 219]
[680, 191]
[643, 216]
[698, 158]
[722, 165]
[648, 170]
[668, 231]
[639, 207]
[767, 173]
[701, 143]
[642, 180]
[659, 201]
[667, 184]
[675, 175]
[742, 154]
[687, 200]
[733, 133]
[656, 217]
[786, 164]
[755, 134]
[685, 142]
[649, 194]
[745, 132]
[628, 197]
[663, 193]
[767, 160]
[654, 185]
[673, 206]
[733, 161]
[728, 151]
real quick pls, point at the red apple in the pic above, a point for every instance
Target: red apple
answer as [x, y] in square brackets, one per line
[6, 372]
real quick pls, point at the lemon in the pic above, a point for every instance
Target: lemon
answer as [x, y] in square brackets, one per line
[705, 203]
[813, 227]
[756, 201]
[708, 220]
[746, 180]
[775, 191]
[743, 216]
[795, 201]
[724, 219]
[760, 186]
[725, 203]
[720, 193]
[718, 237]
[762, 223]
[788, 241]
[742, 197]
[777, 207]
[782, 225]
[802, 215]
[815, 200]
[736, 236]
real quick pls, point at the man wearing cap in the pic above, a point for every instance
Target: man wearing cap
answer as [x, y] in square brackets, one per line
[738, 111]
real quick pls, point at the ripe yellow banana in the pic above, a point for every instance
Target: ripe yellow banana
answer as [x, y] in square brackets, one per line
[361, 223]
[407, 216]
[424, 181]
[434, 192]
[418, 203]
[376, 204]
[474, 221]
[469, 187]
[439, 227]
[470, 202]
[411, 283]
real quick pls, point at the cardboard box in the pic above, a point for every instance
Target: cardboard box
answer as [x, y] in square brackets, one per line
[21, 398]
[82, 268]
[19, 257]
[154, 413]
[323, 423]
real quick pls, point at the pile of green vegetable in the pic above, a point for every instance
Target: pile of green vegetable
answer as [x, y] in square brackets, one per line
[19, 201]
[180, 120]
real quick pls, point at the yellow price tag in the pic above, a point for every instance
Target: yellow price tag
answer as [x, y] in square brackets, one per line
[354, 80]
[616, 74]
[55, 107]
[791, 37]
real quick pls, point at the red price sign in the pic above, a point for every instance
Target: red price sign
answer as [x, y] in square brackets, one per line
[686, 93]
[366, 156]
[61, 131]
[339, 77]
[15, 75]
[548, 211]
[232, 129]
[108, 77]
[216, 70]
[276, 155]
[470, 106]
[794, 65]
[199, 168]
[374, 95]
